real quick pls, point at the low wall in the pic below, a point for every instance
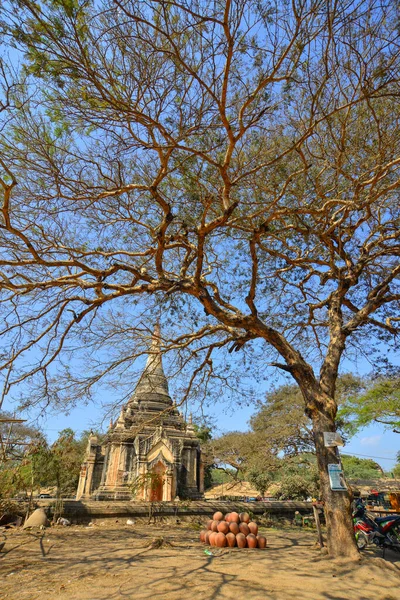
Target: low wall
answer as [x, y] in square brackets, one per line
[84, 511]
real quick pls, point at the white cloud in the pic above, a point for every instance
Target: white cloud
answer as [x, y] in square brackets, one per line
[372, 440]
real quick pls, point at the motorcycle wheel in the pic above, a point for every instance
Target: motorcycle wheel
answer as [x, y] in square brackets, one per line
[361, 540]
[394, 541]
[396, 533]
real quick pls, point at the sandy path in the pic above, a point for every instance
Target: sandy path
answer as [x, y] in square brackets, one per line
[114, 563]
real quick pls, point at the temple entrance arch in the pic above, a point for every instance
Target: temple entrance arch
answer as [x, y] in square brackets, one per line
[157, 481]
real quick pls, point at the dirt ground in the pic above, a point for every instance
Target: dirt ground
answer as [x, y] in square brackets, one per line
[118, 562]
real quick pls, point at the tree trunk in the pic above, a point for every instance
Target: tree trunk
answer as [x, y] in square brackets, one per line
[340, 533]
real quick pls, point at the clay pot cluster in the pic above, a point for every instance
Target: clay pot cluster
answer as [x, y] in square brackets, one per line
[232, 530]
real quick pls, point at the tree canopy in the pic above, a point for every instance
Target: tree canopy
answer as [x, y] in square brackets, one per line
[378, 402]
[361, 468]
[277, 449]
[213, 151]
[45, 465]
[284, 426]
[280, 446]
[16, 439]
[396, 470]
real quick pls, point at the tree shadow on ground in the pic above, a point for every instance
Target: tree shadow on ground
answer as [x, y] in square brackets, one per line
[119, 562]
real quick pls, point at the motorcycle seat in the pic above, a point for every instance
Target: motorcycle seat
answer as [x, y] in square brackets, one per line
[387, 518]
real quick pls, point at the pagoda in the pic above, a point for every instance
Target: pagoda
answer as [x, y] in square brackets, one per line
[150, 453]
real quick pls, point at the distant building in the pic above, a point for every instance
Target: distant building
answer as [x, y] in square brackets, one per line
[150, 453]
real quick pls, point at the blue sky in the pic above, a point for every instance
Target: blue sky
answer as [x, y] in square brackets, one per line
[374, 441]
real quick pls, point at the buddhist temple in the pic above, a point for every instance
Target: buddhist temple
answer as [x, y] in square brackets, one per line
[150, 453]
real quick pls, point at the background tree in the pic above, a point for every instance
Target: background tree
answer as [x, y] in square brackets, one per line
[229, 452]
[379, 403]
[236, 158]
[59, 465]
[253, 460]
[245, 456]
[47, 465]
[16, 479]
[280, 448]
[279, 431]
[396, 470]
[18, 444]
[361, 468]
[298, 479]
[203, 432]
[261, 479]
[222, 476]
[281, 420]
[16, 439]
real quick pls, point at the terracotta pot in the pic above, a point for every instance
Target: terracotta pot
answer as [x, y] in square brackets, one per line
[234, 528]
[212, 538]
[245, 517]
[218, 516]
[220, 540]
[231, 539]
[234, 518]
[223, 526]
[244, 528]
[228, 517]
[251, 540]
[214, 526]
[241, 540]
[207, 537]
[262, 541]
[253, 527]
[202, 534]
[209, 523]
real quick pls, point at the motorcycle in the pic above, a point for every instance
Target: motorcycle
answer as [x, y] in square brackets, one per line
[382, 531]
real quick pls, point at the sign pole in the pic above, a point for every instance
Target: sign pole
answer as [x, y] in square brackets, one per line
[318, 525]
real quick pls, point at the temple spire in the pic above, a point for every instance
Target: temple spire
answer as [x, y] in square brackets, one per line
[152, 387]
[154, 359]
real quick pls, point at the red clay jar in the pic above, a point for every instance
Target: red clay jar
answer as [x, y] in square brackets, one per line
[231, 539]
[241, 540]
[218, 516]
[245, 517]
[214, 526]
[234, 528]
[262, 541]
[207, 537]
[209, 523]
[212, 538]
[223, 526]
[228, 517]
[220, 540]
[251, 540]
[253, 527]
[202, 533]
[234, 518]
[244, 528]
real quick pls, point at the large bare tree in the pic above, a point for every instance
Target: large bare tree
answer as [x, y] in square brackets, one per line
[237, 157]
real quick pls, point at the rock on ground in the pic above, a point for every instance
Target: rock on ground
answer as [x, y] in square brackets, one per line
[37, 519]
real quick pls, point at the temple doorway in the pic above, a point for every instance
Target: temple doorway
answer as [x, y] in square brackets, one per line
[157, 482]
